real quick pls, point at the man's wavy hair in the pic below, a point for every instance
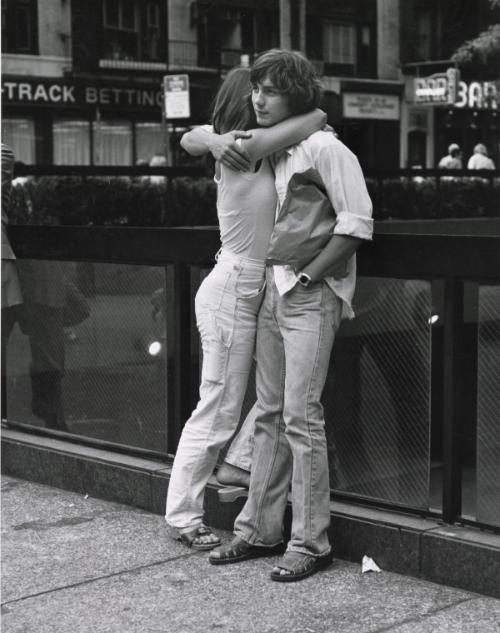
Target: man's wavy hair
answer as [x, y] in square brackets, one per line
[292, 74]
[232, 108]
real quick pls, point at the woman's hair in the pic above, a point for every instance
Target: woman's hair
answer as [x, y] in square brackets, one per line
[292, 74]
[232, 108]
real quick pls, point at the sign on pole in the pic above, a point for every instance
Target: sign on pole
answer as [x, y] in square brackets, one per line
[176, 89]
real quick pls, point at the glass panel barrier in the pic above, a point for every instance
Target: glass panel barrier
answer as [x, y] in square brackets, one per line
[488, 407]
[377, 396]
[88, 352]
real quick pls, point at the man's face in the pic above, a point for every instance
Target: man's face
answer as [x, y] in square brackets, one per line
[271, 106]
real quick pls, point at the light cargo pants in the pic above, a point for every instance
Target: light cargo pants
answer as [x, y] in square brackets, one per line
[227, 304]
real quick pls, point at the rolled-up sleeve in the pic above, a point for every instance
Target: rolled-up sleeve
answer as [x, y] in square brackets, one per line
[345, 185]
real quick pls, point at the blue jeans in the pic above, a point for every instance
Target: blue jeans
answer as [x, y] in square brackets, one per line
[295, 336]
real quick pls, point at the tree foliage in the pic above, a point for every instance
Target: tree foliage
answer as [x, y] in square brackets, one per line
[483, 47]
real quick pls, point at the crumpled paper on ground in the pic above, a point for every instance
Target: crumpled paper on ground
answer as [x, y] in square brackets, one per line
[368, 564]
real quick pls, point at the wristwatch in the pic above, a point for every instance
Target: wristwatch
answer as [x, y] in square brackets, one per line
[304, 279]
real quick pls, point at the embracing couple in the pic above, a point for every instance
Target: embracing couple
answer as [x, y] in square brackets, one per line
[276, 292]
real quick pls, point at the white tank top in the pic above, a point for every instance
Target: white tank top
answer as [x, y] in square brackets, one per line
[246, 206]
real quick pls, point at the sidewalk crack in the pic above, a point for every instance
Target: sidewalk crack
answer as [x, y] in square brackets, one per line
[423, 616]
[81, 583]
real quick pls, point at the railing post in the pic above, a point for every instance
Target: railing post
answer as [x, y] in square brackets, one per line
[380, 183]
[452, 396]
[167, 212]
[179, 352]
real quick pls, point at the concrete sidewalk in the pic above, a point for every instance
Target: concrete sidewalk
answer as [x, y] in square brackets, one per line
[73, 564]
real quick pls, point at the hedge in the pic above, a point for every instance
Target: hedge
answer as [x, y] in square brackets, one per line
[189, 201]
[124, 201]
[424, 198]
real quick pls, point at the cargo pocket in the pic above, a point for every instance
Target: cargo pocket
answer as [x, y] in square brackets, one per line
[224, 318]
[214, 352]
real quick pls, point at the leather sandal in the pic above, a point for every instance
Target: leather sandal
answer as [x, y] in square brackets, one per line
[238, 550]
[189, 538]
[299, 566]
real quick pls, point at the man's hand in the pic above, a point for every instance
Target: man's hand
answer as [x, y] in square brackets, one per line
[225, 149]
[333, 258]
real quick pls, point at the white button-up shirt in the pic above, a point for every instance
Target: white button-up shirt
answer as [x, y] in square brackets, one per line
[345, 186]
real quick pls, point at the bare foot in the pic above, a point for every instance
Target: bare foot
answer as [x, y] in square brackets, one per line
[229, 475]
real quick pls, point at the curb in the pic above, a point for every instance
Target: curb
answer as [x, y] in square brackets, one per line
[466, 558]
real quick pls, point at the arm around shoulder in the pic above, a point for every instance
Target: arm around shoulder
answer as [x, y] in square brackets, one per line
[265, 141]
[223, 147]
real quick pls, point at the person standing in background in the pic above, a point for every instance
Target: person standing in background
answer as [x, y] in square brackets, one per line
[480, 158]
[453, 160]
[11, 290]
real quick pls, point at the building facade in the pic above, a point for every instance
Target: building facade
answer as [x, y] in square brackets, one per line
[82, 79]
[445, 102]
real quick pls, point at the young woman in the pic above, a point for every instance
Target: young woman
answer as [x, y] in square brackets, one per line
[229, 298]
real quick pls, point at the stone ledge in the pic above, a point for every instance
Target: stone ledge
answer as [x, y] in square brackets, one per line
[452, 555]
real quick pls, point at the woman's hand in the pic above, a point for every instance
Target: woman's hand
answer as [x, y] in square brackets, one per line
[226, 150]
[223, 147]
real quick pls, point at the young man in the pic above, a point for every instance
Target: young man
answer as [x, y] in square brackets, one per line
[299, 317]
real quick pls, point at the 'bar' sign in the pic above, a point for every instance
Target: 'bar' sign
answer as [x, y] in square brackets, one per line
[176, 89]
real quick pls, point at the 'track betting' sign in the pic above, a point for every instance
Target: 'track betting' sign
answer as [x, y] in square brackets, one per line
[447, 89]
[64, 93]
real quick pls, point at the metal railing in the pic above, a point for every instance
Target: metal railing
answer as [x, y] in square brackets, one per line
[452, 262]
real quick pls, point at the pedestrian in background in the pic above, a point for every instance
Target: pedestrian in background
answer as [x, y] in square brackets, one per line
[158, 160]
[11, 290]
[480, 158]
[453, 160]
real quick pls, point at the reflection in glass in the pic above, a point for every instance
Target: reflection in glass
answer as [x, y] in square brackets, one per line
[105, 375]
[488, 407]
[377, 396]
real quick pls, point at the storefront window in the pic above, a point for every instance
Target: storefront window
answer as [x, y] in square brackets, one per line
[71, 142]
[112, 142]
[339, 43]
[149, 140]
[19, 134]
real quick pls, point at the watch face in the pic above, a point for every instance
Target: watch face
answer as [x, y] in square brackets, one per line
[304, 279]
